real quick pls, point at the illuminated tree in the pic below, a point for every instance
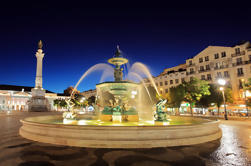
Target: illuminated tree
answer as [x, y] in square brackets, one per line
[175, 96]
[194, 90]
[69, 91]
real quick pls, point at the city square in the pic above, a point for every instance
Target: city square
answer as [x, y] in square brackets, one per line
[77, 102]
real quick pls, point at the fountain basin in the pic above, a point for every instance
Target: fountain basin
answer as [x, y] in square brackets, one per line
[118, 136]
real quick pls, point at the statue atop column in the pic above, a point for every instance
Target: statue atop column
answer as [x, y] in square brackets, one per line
[38, 102]
[40, 44]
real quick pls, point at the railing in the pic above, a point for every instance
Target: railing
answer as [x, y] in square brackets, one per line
[193, 64]
[191, 72]
[248, 62]
[238, 54]
[240, 74]
[220, 67]
[204, 70]
[238, 63]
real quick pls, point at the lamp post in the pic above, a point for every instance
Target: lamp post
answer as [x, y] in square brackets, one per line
[222, 82]
[245, 95]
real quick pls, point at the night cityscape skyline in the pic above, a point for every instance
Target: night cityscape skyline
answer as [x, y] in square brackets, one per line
[77, 36]
[125, 83]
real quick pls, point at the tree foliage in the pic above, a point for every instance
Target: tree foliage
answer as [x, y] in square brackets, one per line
[175, 96]
[194, 90]
[215, 97]
[248, 85]
[69, 91]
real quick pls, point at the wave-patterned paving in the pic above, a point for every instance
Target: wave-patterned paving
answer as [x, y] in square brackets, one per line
[17, 151]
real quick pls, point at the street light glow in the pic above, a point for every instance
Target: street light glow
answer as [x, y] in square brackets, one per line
[222, 81]
[221, 88]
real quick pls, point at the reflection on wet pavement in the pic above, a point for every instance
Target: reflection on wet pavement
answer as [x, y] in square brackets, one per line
[233, 149]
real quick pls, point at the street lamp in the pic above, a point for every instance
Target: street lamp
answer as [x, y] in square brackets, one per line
[245, 95]
[222, 82]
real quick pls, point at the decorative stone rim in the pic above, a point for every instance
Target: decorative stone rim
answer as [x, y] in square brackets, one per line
[119, 136]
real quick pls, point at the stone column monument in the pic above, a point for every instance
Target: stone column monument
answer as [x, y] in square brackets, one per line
[38, 102]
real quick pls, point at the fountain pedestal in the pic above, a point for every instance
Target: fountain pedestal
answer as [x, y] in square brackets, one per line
[116, 117]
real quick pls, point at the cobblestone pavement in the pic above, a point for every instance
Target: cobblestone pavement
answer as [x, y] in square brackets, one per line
[233, 149]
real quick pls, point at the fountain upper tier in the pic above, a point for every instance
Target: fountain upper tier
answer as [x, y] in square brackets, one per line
[118, 60]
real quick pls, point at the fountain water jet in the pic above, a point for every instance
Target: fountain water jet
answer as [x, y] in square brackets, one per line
[141, 80]
[96, 67]
[137, 66]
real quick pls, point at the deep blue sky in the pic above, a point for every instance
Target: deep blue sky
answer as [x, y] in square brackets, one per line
[79, 35]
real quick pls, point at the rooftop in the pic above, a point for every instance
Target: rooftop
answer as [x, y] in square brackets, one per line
[18, 88]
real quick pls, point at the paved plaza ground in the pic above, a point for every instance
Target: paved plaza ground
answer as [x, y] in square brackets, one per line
[233, 149]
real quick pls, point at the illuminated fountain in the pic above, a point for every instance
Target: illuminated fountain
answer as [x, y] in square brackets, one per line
[124, 119]
[115, 97]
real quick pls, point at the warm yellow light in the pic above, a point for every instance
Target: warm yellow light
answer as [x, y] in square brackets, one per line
[248, 93]
[222, 81]
[221, 88]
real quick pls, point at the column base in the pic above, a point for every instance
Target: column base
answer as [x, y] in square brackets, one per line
[38, 102]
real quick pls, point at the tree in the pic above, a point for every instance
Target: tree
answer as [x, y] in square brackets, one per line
[69, 91]
[249, 102]
[56, 103]
[215, 97]
[204, 102]
[248, 85]
[175, 96]
[194, 90]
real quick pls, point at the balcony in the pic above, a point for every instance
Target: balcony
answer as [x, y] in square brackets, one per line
[238, 63]
[191, 64]
[238, 54]
[240, 74]
[248, 62]
[202, 70]
[220, 67]
[191, 72]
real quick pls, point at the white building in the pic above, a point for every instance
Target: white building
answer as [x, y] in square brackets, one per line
[16, 98]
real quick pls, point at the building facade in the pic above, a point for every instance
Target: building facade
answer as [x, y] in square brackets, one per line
[16, 98]
[169, 78]
[230, 63]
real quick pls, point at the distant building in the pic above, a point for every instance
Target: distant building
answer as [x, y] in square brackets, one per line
[169, 78]
[17, 97]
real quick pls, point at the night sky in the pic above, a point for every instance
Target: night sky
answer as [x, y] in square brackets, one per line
[79, 35]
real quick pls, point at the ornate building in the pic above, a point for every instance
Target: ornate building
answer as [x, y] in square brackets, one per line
[231, 63]
[214, 62]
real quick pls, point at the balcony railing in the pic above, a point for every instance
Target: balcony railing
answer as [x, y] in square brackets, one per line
[238, 63]
[248, 62]
[191, 72]
[220, 67]
[191, 64]
[240, 74]
[238, 54]
[204, 70]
